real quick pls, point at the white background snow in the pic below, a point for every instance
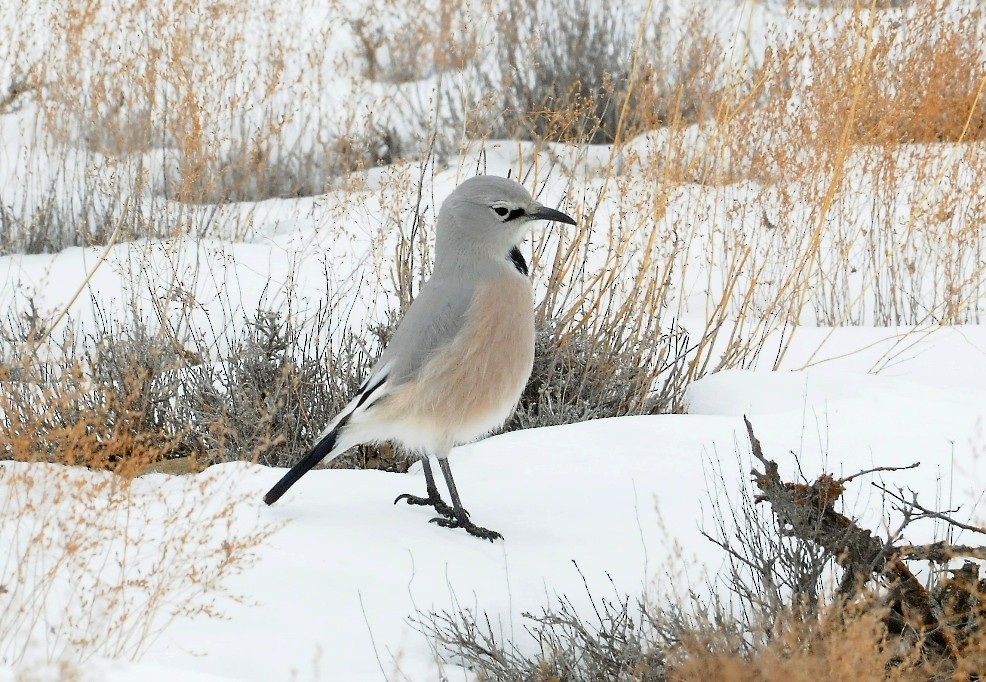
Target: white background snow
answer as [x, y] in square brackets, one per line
[620, 503]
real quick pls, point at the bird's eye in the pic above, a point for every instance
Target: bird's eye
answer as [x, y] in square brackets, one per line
[501, 210]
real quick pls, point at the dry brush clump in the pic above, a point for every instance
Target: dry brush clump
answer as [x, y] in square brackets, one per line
[129, 397]
[620, 640]
[775, 615]
[101, 556]
[402, 42]
[551, 88]
[204, 103]
[279, 387]
[839, 643]
[108, 405]
[535, 80]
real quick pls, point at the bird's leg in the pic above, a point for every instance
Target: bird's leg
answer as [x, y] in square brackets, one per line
[434, 498]
[459, 518]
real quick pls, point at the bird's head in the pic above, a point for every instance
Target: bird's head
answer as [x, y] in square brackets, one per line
[488, 216]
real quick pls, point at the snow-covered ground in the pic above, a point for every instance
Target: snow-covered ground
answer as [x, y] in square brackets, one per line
[336, 589]
[338, 575]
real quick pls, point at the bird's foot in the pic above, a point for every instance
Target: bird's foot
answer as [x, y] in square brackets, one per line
[433, 500]
[460, 519]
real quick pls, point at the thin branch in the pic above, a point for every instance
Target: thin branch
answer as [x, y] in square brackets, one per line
[847, 479]
[924, 512]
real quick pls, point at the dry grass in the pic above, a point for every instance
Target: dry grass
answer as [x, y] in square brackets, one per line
[766, 150]
[399, 42]
[99, 561]
[840, 223]
[824, 111]
[140, 103]
[619, 640]
[840, 642]
[834, 178]
[185, 80]
[99, 565]
[835, 645]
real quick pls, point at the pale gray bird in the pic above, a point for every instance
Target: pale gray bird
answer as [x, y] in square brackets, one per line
[461, 356]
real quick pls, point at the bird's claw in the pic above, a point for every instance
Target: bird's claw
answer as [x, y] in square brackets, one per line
[462, 521]
[434, 501]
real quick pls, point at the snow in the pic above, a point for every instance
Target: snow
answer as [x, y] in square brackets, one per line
[621, 502]
[339, 575]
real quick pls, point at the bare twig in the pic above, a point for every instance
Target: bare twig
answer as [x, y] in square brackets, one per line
[924, 512]
[847, 479]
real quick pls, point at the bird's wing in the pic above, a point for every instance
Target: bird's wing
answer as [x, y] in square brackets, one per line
[432, 321]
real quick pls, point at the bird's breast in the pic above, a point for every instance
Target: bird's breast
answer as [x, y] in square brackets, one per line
[472, 385]
[498, 334]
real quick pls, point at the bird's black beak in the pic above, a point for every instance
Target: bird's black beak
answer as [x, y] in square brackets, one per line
[545, 213]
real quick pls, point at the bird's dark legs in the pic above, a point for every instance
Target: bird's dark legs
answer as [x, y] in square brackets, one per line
[459, 517]
[434, 499]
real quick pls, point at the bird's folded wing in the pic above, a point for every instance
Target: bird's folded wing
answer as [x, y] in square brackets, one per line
[374, 388]
[432, 322]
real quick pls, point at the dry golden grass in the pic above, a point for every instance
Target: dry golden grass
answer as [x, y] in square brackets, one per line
[407, 41]
[100, 561]
[215, 91]
[60, 412]
[831, 648]
[794, 241]
[872, 88]
[100, 564]
[840, 643]
[749, 189]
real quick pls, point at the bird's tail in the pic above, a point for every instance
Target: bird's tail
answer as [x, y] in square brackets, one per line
[321, 450]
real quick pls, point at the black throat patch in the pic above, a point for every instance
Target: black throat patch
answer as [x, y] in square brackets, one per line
[517, 258]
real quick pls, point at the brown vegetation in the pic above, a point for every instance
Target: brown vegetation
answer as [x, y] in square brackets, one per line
[748, 163]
